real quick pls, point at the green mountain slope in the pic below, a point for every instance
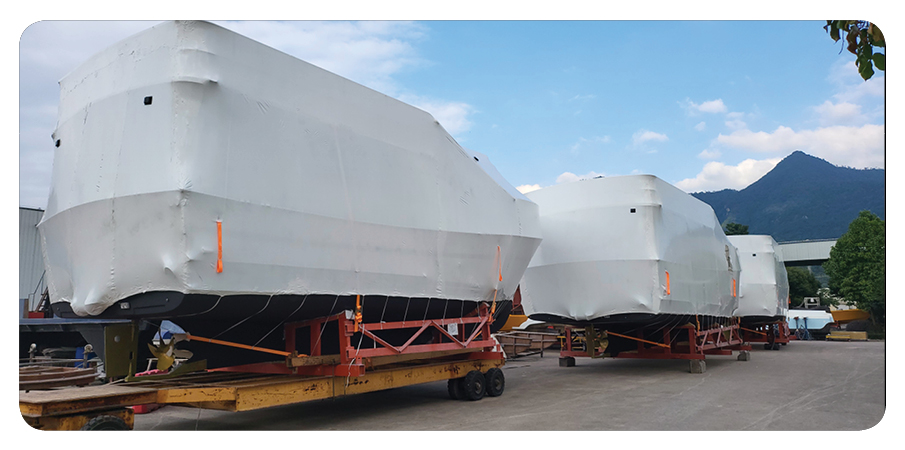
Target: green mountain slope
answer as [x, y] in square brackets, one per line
[803, 197]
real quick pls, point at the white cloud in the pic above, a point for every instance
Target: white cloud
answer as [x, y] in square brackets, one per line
[710, 106]
[849, 84]
[582, 141]
[859, 147]
[367, 52]
[642, 136]
[526, 188]
[565, 177]
[716, 175]
[583, 97]
[453, 116]
[710, 154]
[568, 177]
[736, 124]
[701, 126]
[843, 113]
[735, 121]
[713, 106]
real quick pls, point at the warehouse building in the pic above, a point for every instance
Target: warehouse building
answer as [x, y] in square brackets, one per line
[31, 262]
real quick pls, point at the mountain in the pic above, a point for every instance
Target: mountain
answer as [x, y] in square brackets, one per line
[803, 197]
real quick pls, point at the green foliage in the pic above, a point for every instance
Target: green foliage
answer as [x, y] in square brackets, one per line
[801, 284]
[857, 266]
[735, 229]
[862, 37]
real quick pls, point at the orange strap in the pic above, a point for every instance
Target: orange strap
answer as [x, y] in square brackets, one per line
[493, 305]
[667, 282]
[219, 246]
[357, 322]
[233, 344]
[758, 332]
[638, 339]
[500, 257]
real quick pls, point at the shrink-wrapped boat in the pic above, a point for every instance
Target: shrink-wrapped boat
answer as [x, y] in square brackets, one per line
[203, 177]
[764, 289]
[628, 252]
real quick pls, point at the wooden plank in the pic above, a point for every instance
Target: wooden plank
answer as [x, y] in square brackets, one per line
[286, 393]
[73, 400]
[196, 394]
[83, 379]
[299, 361]
[56, 374]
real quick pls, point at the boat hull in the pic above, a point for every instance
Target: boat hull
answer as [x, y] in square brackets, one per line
[764, 285]
[196, 163]
[628, 250]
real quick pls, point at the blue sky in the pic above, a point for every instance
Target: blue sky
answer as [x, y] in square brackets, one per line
[704, 105]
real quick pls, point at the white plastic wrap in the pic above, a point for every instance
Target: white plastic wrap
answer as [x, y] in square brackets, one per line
[319, 185]
[764, 288]
[609, 244]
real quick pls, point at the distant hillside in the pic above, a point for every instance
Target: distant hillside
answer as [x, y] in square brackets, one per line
[803, 197]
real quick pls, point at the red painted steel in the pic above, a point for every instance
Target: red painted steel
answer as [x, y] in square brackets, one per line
[351, 359]
[779, 331]
[718, 340]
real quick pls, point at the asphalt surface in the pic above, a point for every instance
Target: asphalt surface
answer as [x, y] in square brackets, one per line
[805, 386]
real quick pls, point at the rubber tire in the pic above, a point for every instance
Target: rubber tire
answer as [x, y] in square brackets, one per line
[454, 387]
[106, 423]
[496, 382]
[474, 385]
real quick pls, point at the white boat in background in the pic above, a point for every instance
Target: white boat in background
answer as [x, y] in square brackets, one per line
[205, 178]
[628, 251]
[764, 285]
[812, 320]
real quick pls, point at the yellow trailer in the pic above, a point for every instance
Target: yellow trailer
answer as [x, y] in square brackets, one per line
[107, 406]
[469, 361]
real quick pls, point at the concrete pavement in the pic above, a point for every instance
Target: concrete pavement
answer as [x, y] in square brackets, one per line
[807, 385]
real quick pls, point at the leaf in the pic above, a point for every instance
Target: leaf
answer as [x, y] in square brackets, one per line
[879, 61]
[866, 70]
[852, 39]
[865, 49]
[832, 29]
[876, 36]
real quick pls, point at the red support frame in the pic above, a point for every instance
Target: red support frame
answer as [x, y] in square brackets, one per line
[761, 334]
[718, 340]
[351, 360]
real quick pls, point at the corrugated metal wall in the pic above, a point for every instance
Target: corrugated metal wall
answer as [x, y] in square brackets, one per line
[815, 250]
[31, 262]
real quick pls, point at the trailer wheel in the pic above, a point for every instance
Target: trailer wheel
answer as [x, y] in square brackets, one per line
[106, 423]
[474, 385]
[496, 382]
[454, 387]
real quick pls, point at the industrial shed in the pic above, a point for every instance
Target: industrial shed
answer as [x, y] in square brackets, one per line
[31, 263]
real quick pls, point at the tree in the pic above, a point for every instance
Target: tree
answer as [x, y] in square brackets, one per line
[801, 284]
[862, 37]
[735, 228]
[857, 266]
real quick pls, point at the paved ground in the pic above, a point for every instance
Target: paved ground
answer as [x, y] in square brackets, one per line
[813, 385]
